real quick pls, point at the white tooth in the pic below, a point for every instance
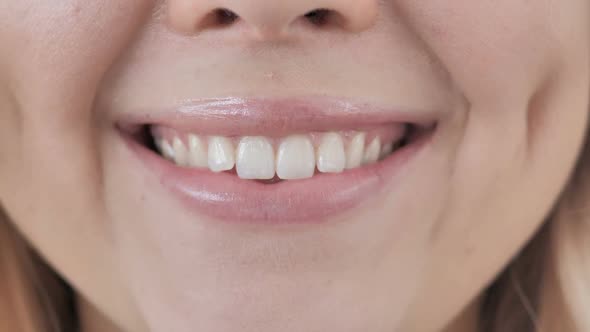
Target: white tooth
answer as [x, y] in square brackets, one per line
[354, 153]
[256, 159]
[372, 153]
[165, 149]
[180, 152]
[197, 152]
[221, 156]
[295, 158]
[386, 150]
[331, 157]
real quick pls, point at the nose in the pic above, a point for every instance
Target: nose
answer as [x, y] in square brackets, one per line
[271, 19]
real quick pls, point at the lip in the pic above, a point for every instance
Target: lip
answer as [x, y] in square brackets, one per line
[227, 198]
[275, 117]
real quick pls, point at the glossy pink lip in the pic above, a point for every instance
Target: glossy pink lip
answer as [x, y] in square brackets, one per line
[275, 117]
[227, 198]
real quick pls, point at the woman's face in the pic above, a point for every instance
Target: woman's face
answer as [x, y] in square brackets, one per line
[487, 101]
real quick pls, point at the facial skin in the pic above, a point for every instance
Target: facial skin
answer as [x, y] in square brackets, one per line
[508, 81]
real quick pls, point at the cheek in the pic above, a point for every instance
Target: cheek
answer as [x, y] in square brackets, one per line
[518, 65]
[53, 58]
[54, 54]
[508, 43]
[524, 73]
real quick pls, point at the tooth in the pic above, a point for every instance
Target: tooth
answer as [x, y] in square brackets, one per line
[165, 149]
[255, 159]
[331, 157]
[180, 152]
[221, 154]
[197, 152]
[295, 158]
[372, 153]
[386, 150]
[354, 153]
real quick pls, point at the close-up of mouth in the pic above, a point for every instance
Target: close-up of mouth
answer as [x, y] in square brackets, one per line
[276, 161]
[294, 166]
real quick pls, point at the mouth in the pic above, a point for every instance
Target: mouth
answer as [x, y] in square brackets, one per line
[276, 161]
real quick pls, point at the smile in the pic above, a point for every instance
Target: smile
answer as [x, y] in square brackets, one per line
[276, 161]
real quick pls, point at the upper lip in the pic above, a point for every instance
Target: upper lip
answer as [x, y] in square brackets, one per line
[236, 116]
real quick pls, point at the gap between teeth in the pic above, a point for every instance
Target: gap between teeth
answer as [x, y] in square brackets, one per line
[255, 158]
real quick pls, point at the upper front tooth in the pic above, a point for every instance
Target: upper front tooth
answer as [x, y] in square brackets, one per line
[255, 159]
[180, 152]
[197, 152]
[372, 152]
[355, 151]
[331, 157]
[221, 154]
[296, 158]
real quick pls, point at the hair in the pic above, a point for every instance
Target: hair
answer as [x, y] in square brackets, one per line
[33, 298]
[545, 288]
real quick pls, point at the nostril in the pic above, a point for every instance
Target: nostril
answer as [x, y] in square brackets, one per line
[225, 16]
[320, 17]
[218, 18]
[271, 19]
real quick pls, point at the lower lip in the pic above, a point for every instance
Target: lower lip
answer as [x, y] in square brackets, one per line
[225, 197]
